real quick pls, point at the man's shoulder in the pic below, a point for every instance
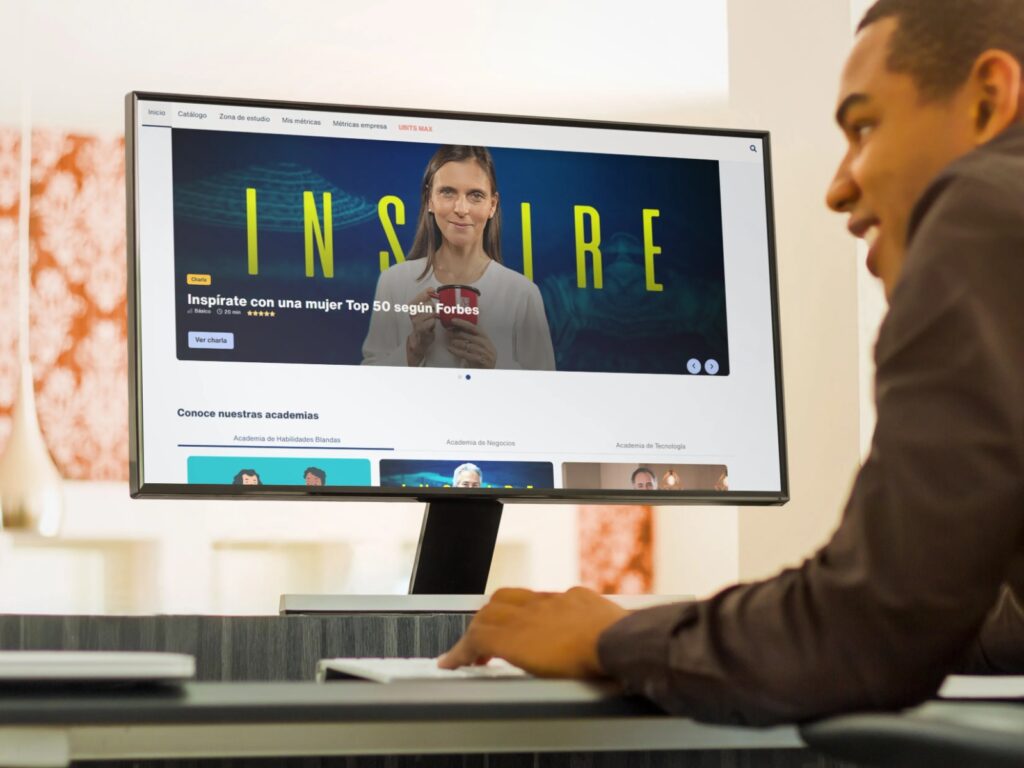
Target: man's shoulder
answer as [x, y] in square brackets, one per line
[984, 188]
[965, 243]
[970, 219]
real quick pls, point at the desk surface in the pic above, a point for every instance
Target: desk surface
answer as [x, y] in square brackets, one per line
[260, 709]
[329, 702]
[202, 720]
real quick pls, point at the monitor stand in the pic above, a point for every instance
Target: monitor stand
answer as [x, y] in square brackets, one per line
[450, 572]
[456, 545]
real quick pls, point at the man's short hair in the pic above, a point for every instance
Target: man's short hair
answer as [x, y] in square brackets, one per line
[938, 41]
[316, 472]
[467, 467]
[639, 470]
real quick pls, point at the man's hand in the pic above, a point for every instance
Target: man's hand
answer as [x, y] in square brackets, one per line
[548, 635]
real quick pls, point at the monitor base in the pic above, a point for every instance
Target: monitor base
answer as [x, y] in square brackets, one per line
[456, 546]
[307, 605]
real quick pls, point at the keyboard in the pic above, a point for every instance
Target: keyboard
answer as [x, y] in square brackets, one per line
[402, 670]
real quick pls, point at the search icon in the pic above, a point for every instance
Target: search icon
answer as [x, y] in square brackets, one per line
[753, 148]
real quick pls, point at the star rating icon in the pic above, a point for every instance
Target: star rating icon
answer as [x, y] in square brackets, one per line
[260, 313]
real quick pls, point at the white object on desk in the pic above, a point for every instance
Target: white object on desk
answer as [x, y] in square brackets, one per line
[983, 687]
[95, 667]
[405, 670]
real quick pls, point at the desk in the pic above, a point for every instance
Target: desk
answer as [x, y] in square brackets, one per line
[249, 670]
[52, 728]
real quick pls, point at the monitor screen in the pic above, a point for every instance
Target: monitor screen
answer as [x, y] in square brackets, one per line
[369, 302]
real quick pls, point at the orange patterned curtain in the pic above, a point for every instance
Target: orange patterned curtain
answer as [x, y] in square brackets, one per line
[10, 191]
[616, 549]
[78, 341]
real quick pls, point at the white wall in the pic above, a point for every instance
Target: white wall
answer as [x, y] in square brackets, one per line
[600, 58]
[11, 53]
[120, 555]
[786, 57]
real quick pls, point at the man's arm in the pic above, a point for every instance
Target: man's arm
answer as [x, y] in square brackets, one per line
[879, 615]
[888, 607]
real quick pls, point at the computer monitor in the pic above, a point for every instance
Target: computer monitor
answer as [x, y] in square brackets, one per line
[371, 303]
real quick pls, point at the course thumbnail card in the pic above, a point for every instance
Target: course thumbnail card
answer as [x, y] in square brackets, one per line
[646, 477]
[249, 470]
[301, 249]
[468, 473]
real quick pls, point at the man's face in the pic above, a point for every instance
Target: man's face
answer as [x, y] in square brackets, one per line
[250, 480]
[897, 143]
[312, 479]
[644, 481]
[468, 479]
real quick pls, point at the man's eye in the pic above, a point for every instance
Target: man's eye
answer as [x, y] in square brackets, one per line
[862, 130]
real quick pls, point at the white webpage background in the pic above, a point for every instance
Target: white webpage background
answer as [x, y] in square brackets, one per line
[557, 417]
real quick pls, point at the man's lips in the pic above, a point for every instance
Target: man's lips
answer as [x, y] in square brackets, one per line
[860, 227]
[867, 229]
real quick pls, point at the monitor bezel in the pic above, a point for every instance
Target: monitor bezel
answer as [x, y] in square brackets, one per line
[139, 489]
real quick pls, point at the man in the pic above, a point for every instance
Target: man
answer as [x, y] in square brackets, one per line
[315, 476]
[933, 178]
[467, 476]
[643, 479]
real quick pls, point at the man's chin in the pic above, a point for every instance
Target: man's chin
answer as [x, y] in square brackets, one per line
[873, 261]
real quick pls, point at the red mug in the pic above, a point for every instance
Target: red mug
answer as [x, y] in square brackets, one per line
[458, 302]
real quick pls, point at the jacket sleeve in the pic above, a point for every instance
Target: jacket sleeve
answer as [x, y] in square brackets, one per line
[879, 615]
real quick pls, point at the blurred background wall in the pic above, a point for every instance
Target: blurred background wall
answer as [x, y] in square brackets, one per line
[726, 63]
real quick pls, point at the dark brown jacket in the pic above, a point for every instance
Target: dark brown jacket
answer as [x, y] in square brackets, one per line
[925, 573]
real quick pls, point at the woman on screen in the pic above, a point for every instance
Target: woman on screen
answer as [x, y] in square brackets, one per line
[463, 308]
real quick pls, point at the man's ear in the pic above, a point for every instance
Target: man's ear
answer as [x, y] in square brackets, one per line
[996, 77]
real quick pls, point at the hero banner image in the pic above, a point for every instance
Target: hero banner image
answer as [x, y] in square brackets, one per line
[280, 243]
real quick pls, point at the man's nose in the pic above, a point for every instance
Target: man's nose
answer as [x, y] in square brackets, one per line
[843, 191]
